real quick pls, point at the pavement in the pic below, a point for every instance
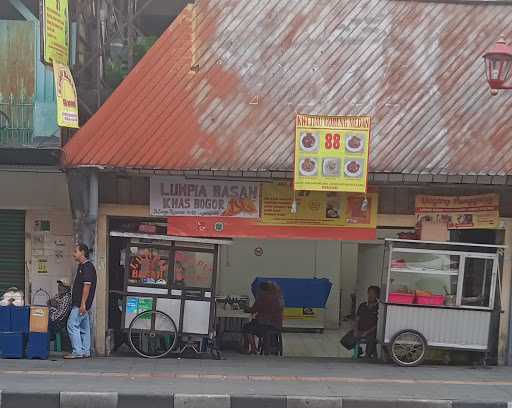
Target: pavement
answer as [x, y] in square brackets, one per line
[276, 379]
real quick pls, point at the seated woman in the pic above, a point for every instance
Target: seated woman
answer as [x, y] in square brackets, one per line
[268, 310]
[59, 307]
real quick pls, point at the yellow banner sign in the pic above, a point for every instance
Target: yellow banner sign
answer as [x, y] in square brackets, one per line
[55, 24]
[463, 212]
[331, 153]
[317, 208]
[67, 99]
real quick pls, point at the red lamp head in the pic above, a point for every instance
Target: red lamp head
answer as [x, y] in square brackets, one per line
[498, 65]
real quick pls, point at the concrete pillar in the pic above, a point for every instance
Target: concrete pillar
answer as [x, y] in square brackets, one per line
[504, 352]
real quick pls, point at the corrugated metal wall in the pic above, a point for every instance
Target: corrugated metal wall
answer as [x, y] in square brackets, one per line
[12, 249]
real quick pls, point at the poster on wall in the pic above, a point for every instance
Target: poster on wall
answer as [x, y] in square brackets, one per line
[317, 207]
[459, 212]
[319, 215]
[178, 196]
[331, 153]
[55, 31]
[66, 96]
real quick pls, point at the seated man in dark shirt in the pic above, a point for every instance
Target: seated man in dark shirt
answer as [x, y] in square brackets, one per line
[365, 325]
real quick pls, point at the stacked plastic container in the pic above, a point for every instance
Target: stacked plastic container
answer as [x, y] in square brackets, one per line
[14, 326]
[38, 341]
[17, 335]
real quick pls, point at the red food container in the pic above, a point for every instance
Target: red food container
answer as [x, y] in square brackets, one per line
[434, 300]
[403, 298]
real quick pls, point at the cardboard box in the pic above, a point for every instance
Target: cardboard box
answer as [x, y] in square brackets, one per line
[435, 231]
[39, 319]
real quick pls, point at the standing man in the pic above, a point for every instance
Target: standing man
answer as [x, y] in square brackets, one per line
[84, 287]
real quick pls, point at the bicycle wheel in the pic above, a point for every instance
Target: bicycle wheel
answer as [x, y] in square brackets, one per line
[152, 334]
[408, 348]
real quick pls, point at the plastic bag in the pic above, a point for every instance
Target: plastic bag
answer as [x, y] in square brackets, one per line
[13, 297]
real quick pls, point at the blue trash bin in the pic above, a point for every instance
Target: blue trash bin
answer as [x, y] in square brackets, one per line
[5, 318]
[11, 345]
[37, 346]
[20, 318]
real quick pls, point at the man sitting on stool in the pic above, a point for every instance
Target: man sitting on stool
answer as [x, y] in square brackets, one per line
[365, 325]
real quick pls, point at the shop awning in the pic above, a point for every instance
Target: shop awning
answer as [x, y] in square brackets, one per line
[220, 89]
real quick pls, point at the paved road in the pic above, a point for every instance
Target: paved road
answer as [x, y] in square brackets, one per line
[258, 375]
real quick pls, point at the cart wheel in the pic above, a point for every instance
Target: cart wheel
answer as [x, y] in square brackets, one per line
[152, 334]
[408, 348]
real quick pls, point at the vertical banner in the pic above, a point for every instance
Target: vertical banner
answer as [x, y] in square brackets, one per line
[331, 153]
[66, 96]
[55, 31]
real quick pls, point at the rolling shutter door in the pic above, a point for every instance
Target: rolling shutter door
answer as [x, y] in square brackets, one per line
[12, 249]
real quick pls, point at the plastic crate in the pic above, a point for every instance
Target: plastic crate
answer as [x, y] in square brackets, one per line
[37, 346]
[434, 300]
[20, 317]
[5, 319]
[11, 345]
[401, 298]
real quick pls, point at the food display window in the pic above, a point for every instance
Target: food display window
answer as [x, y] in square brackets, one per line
[439, 277]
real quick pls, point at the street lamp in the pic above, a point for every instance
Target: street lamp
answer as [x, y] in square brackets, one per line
[498, 66]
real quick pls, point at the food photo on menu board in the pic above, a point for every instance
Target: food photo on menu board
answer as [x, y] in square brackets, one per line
[331, 153]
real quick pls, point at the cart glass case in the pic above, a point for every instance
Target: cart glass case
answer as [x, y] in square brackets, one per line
[441, 294]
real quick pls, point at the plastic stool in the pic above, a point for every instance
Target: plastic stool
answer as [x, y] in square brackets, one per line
[58, 342]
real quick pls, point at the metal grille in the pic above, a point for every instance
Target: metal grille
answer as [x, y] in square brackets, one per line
[12, 249]
[16, 121]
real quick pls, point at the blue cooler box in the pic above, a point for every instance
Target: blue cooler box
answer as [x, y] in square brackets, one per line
[20, 318]
[11, 345]
[37, 346]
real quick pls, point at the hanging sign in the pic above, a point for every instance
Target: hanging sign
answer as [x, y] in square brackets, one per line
[178, 196]
[318, 215]
[67, 99]
[55, 31]
[331, 153]
[329, 209]
[463, 212]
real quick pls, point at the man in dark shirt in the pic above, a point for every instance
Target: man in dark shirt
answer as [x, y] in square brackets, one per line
[84, 287]
[365, 325]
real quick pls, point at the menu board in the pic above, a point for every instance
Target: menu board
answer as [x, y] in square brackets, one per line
[331, 153]
[317, 208]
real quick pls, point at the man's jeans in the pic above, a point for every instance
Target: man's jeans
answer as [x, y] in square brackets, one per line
[79, 330]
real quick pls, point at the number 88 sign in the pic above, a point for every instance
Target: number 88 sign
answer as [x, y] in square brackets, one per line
[331, 153]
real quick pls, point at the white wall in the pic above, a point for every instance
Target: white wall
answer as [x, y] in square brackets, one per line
[24, 190]
[43, 194]
[55, 247]
[369, 269]
[281, 258]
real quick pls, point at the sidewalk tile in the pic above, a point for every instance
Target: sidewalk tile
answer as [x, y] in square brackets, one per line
[88, 400]
[381, 403]
[478, 404]
[255, 401]
[39, 400]
[201, 401]
[310, 402]
[144, 400]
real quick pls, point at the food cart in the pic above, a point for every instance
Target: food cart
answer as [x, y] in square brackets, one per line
[438, 294]
[169, 293]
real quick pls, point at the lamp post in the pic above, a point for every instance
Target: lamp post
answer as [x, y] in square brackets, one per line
[498, 66]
